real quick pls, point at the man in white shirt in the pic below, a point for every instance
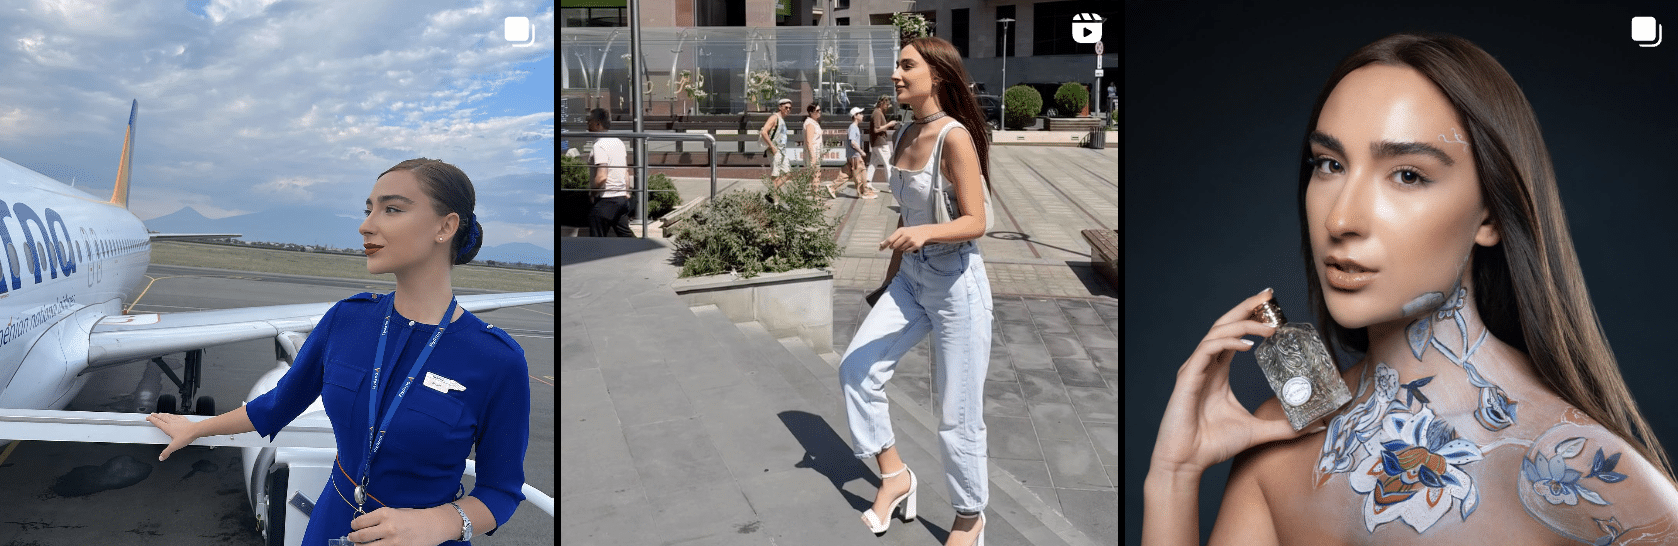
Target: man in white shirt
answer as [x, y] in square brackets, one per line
[610, 161]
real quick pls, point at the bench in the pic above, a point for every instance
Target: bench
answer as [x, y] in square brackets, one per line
[1104, 253]
[1082, 125]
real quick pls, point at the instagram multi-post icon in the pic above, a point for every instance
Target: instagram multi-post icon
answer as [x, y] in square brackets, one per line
[1086, 28]
[519, 29]
[1644, 29]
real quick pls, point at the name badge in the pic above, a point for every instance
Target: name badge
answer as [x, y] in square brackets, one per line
[442, 384]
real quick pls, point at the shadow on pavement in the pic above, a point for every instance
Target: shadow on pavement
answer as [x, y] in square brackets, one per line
[826, 452]
[579, 250]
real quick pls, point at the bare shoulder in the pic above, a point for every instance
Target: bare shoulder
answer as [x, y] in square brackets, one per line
[1586, 483]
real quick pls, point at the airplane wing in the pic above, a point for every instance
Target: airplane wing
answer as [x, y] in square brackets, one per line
[126, 338]
[188, 236]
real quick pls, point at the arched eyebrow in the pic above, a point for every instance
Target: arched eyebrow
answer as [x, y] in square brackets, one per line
[1384, 149]
[385, 198]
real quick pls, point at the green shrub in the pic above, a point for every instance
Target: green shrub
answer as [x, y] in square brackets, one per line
[1023, 103]
[740, 232]
[1071, 98]
[660, 203]
[573, 206]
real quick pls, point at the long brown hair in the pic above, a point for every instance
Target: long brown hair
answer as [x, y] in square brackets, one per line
[952, 92]
[1529, 289]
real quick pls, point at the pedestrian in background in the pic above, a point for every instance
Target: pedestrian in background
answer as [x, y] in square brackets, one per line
[609, 217]
[853, 160]
[879, 134]
[774, 136]
[1112, 98]
[813, 149]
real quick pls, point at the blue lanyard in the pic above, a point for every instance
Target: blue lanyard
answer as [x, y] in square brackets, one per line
[374, 440]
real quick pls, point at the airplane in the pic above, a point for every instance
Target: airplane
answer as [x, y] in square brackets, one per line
[68, 260]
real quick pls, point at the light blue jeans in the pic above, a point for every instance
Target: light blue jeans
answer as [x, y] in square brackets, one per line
[942, 290]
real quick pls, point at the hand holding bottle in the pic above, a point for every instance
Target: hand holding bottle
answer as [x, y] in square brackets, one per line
[1204, 424]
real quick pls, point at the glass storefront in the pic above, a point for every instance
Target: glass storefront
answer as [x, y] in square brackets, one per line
[728, 70]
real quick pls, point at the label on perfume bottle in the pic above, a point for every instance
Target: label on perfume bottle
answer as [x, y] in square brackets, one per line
[1299, 369]
[1296, 391]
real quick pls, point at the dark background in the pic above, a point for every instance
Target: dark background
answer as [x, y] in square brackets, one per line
[1216, 101]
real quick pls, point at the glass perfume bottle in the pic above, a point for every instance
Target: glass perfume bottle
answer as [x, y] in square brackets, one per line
[1297, 364]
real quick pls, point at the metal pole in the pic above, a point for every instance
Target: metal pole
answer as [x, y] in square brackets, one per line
[1003, 123]
[640, 127]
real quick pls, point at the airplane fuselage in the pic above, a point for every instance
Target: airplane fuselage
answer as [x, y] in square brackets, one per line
[66, 258]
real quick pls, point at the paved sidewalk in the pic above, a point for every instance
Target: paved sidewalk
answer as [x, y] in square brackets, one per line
[1051, 398]
[674, 433]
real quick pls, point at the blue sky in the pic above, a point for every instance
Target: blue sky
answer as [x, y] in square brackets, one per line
[262, 105]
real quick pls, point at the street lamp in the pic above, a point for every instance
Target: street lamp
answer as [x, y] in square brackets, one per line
[1002, 124]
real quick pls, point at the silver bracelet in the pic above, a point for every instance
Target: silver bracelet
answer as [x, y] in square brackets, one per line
[465, 523]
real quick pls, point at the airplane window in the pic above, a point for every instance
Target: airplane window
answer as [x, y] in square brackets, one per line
[42, 257]
[11, 251]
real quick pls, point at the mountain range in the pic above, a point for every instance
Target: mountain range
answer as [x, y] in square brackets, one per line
[315, 227]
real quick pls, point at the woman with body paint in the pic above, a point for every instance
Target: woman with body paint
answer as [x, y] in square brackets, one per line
[1488, 406]
[941, 289]
[411, 382]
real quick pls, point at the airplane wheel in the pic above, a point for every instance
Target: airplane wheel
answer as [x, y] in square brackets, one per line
[278, 483]
[206, 406]
[166, 404]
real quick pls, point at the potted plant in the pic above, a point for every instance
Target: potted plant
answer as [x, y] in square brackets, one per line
[1023, 104]
[691, 86]
[761, 86]
[763, 255]
[1073, 97]
[910, 25]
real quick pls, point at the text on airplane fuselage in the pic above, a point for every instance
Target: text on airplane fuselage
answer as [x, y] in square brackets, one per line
[48, 248]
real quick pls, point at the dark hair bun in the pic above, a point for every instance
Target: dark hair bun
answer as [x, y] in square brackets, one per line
[474, 234]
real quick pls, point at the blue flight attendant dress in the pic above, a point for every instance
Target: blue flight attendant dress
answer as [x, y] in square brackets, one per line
[421, 458]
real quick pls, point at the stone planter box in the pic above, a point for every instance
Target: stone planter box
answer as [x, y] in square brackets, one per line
[794, 303]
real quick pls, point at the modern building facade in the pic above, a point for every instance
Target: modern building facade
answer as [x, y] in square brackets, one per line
[1040, 43]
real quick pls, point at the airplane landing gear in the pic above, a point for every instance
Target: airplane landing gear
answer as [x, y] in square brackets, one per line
[194, 372]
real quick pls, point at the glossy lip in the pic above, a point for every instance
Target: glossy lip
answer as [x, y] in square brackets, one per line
[370, 248]
[1345, 280]
[1348, 264]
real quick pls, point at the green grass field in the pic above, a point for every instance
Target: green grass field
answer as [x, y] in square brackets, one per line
[285, 262]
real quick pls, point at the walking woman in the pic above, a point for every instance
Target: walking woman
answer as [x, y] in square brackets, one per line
[936, 284]
[813, 143]
[455, 383]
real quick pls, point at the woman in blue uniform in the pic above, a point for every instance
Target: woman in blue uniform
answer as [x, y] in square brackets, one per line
[411, 382]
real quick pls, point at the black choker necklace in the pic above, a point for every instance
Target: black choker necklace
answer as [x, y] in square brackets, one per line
[936, 116]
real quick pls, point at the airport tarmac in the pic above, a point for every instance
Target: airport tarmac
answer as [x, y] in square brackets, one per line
[62, 493]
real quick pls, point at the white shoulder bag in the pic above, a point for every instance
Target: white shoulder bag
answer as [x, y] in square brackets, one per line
[952, 206]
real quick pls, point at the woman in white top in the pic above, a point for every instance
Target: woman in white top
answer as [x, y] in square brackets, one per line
[813, 149]
[940, 290]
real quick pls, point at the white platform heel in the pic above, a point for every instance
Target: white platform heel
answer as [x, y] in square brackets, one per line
[873, 522]
[981, 515]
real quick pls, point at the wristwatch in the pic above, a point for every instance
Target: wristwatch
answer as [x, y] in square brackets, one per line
[465, 523]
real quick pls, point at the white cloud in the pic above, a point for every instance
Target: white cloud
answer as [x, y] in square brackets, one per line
[257, 104]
